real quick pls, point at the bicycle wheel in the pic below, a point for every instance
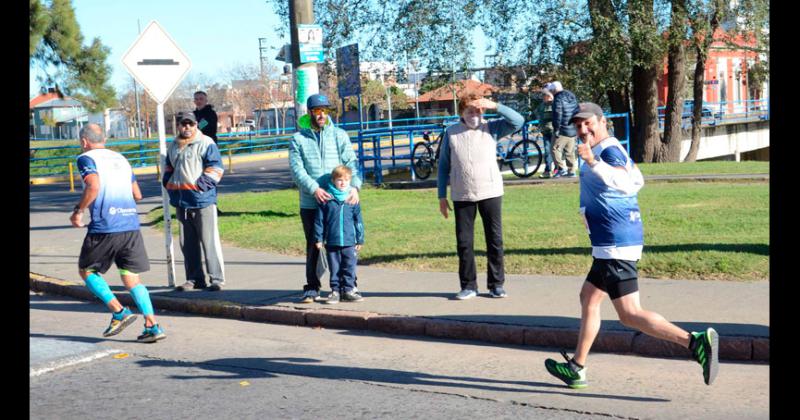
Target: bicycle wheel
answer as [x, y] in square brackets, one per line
[422, 161]
[525, 158]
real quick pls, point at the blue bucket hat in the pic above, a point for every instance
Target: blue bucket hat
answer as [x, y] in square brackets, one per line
[318, 101]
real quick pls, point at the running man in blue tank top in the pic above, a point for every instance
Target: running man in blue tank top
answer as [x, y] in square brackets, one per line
[609, 183]
[110, 192]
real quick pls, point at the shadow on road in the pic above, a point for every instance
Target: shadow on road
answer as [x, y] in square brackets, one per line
[255, 368]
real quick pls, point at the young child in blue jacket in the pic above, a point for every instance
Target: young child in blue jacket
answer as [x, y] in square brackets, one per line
[340, 226]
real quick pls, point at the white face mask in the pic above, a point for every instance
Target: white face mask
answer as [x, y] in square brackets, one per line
[472, 122]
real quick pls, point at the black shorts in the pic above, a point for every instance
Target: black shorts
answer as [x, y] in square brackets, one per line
[615, 277]
[125, 249]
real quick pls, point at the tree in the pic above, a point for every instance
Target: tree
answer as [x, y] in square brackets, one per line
[676, 82]
[56, 47]
[704, 20]
[609, 58]
[646, 57]
[431, 30]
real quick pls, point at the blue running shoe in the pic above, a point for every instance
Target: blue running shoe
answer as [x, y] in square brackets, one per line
[151, 334]
[119, 321]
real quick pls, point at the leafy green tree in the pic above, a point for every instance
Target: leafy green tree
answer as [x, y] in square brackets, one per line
[56, 47]
[647, 54]
[704, 18]
[676, 81]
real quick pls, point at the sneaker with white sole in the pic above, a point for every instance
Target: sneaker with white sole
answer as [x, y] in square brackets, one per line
[705, 350]
[333, 298]
[466, 294]
[352, 296]
[572, 374]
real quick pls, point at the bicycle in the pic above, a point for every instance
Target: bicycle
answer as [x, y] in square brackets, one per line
[523, 156]
[424, 158]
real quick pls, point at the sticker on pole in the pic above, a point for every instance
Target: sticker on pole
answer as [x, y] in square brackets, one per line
[156, 61]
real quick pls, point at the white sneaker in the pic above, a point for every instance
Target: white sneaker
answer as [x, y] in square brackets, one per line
[466, 294]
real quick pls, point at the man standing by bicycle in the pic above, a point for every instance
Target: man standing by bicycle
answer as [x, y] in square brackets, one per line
[468, 162]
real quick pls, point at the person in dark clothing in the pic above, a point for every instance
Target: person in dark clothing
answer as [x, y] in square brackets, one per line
[565, 105]
[206, 119]
[205, 115]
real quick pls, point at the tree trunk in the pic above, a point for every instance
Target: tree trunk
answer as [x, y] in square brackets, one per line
[697, 111]
[701, 45]
[647, 59]
[620, 104]
[676, 68]
[645, 117]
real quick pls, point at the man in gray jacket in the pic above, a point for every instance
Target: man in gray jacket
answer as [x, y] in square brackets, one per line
[468, 162]
[565, 106]
[192, 171]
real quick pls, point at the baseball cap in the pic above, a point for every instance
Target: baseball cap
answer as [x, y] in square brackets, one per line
[318, 101]
[185, 115]
[586, 110]
[554, 86]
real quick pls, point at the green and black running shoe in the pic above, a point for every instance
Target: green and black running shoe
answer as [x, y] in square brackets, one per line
[564, 371]
[705, 350]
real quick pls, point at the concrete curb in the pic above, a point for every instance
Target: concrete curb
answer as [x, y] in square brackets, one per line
[732, 348]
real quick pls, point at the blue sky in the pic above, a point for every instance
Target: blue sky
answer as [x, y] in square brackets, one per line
[215, 35]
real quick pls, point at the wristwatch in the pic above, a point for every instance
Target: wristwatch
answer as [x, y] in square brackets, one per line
[77, 209]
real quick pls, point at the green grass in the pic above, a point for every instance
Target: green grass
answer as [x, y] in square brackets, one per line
[649, 169]
[705, 168]
[693, 230]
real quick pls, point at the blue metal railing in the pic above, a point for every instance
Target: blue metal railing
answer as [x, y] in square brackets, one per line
[275, 139]
[714, 113]
[384, 145]
[375, 145]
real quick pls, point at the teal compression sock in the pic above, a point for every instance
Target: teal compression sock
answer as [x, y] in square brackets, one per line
[142, 298]
[99, 288]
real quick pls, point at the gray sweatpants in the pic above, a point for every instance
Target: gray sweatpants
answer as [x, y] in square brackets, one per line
[198, 229]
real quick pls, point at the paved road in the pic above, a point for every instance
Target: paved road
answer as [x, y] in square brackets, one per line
[216, 368]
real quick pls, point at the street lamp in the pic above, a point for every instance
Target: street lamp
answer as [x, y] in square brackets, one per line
[379, 73]
[414, 63]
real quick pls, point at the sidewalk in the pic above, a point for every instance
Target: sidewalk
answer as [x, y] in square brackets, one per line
[539, 310]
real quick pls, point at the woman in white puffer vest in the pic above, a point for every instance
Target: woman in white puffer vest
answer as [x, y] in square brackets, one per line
[468, 162]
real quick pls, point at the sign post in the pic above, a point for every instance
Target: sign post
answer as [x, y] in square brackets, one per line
[159, 65]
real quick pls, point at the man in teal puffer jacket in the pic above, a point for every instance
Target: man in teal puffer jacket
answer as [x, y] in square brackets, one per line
[314, 151]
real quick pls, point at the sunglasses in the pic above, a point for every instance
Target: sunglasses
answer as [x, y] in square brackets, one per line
[187, 122]
[319, 111]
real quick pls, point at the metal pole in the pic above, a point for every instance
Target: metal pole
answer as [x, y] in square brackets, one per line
[301, 12]
[138, 115]
[360, 112]
[389, 99]
[71, 179]
[162, 148]
[136, 94]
